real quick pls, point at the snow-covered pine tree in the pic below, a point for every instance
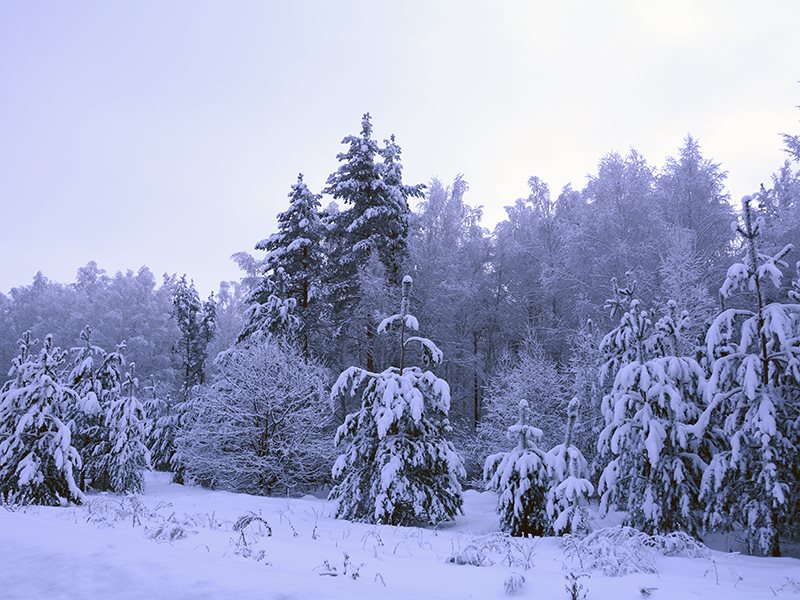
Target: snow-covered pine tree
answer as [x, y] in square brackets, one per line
[375, 219]
[651, 463]
[285, 300]
[163, 426]
[278, 313]
[38, 462]
[125, 455]
[394, 250]
[197, 323]
[528, 375]
[752, 397]
[520, 479]
[570, 489]
[162, 438]
[87, 414]
[398, 466]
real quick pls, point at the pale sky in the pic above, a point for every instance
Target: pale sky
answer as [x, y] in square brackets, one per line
[167, 133]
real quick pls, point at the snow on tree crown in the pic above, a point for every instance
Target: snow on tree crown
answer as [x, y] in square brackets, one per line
[403, 320]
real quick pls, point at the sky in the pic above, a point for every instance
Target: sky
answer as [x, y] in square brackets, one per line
[168, 133]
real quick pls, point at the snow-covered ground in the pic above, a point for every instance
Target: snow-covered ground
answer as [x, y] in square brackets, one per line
[178, 542]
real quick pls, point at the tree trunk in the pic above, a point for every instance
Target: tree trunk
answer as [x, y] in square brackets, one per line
[370, 337]
[476, 390]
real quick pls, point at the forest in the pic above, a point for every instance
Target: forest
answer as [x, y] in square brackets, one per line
[634, 342]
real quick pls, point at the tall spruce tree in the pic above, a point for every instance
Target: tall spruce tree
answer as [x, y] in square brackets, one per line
[375, 219]
[38, 462]
[753, 411]
[292, 267]
[398, 467]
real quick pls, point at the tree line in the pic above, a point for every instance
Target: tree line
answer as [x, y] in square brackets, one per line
[522, 313]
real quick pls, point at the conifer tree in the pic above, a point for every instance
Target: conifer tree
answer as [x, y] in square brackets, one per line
[161, 436]
[374, 220]
[278, 314]
[87, 417]
[397, 467]
[569, 488]
[125, 455]
[38, 462]
[752, 412]
[651, 463]
[95, 378]
[197, 323]
[520, 478]
[292, 269]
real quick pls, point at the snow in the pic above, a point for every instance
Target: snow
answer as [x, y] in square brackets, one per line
[97, 551]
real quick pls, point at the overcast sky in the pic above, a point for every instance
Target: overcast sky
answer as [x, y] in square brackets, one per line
[167, 133]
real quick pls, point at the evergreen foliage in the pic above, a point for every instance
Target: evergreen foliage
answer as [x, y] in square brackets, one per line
[96, 378]
[753, 410]
[123, 455]
[569, 487]
[520, 478]
[196, 321]
[398, 466]
[286, 300]
[651, 462]
[38, 463]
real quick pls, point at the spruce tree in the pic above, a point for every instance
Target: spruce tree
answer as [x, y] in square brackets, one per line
[520, 478]
[569, 487]
[125, 455]
[38, 462]
[651, 462]
[278, 314]
[374, 220]
[196, 321]
[398, 467]
[87, 417]
[753, 411]
[96, 379]
[292, 269]
[161, 436]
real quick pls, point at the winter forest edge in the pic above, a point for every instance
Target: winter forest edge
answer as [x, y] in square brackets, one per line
[622, 347]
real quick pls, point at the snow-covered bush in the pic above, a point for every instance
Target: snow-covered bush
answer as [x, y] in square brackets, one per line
[513, 583]
[618, 551]
[520, 479]
[567, 498]
[753, 411]
[38, 462]
[398, 467]
[260, 425]
[651, 462]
